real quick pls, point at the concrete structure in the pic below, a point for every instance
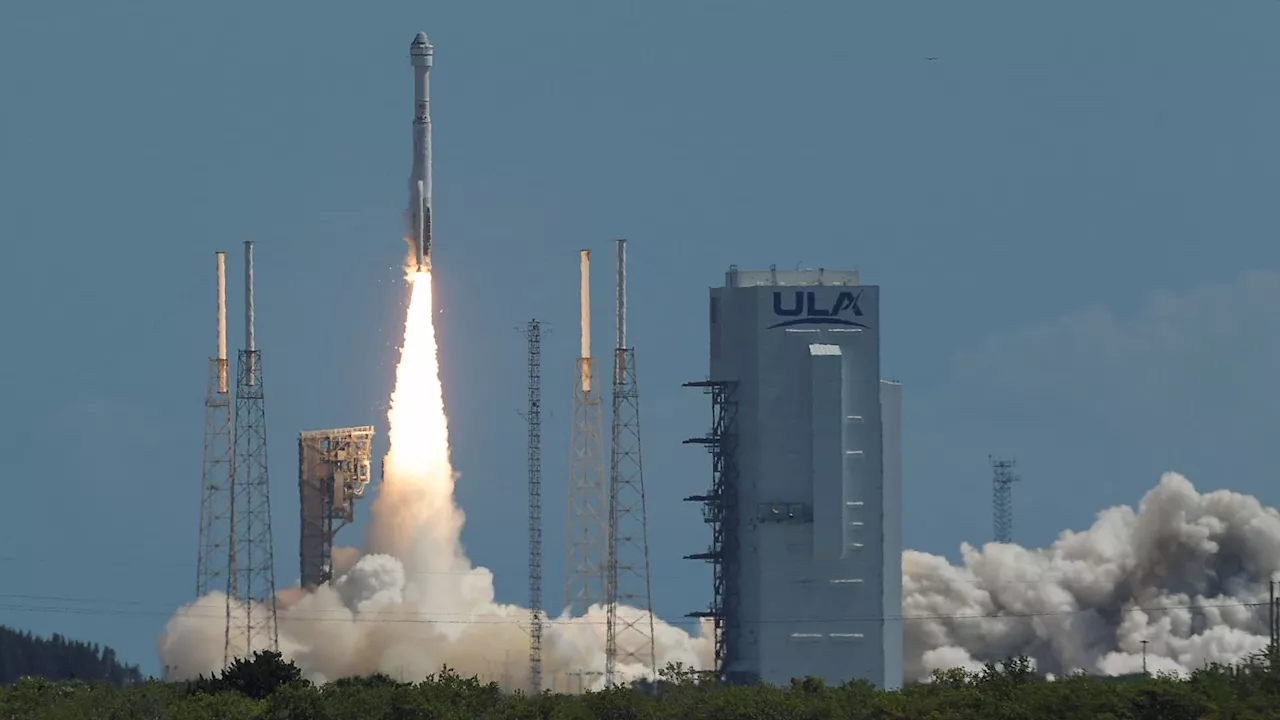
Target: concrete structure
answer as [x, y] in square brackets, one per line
[814, 528]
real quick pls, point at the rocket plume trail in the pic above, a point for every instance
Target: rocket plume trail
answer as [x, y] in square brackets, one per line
[418, 476]
[414, 601]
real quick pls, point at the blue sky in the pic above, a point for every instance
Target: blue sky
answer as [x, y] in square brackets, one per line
[1071, 212]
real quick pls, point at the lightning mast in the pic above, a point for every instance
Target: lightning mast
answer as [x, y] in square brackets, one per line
[215, 483]
[584, 583]
[628, 555]
[251, 578]
[1002, 480]
[533, 333]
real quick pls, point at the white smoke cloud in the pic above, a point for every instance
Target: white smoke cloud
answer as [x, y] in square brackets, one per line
[1087, 603]
[414, 602]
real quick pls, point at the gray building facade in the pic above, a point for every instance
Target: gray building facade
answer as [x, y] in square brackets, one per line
[816, 522]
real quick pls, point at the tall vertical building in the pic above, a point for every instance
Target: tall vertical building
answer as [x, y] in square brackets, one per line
[813, 584]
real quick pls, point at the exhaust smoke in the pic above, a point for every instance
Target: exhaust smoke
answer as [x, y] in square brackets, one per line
[1187, 572]
[413, 602]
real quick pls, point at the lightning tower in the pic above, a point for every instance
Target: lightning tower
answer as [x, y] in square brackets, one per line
[215, 484]
[584, 583]
[629, 638]
[251, 579]
[533, 333]
[1002, 480]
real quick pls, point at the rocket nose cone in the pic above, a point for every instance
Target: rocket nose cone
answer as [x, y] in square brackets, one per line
[420, 39]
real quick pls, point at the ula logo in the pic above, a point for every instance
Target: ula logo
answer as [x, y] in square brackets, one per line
[802, 308]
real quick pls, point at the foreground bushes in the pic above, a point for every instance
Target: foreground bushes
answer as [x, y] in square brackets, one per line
[267, 687]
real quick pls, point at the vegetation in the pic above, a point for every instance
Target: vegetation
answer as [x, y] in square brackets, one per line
[268, 687]
[57, 658]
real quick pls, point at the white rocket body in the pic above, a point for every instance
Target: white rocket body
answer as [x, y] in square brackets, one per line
[421, 55]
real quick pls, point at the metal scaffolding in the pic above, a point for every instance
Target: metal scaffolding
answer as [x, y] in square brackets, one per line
[720, 511]
[333, 472]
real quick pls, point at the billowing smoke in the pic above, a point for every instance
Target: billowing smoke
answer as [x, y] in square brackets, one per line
[413, 602]
[1187, 572]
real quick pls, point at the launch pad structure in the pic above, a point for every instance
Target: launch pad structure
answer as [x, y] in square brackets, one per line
[235, 552]
[333, 472]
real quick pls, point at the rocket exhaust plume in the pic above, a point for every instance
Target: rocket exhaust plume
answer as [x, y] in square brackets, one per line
[1185, 571]
[414, 602]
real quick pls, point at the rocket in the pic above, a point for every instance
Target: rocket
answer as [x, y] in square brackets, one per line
[421, 54]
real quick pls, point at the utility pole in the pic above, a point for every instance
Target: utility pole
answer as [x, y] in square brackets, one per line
[628, 579]
[1002, 480]
[1144, 657]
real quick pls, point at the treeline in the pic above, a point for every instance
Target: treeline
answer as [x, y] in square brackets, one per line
[268, 687]
[57, 658]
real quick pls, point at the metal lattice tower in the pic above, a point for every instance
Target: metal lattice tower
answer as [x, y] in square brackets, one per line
[720, 511]
[533, 416]
[584, 583]
[627, 639]
[251, 579]
[1002, 480]
[215, 482]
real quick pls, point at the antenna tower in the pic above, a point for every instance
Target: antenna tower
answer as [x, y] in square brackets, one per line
[533, 333]
[215, 482]
[584, 583]
[628, 579]
[1002, 480]
[251, 580]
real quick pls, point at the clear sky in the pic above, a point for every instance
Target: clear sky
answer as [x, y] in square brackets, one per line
[1071, 211]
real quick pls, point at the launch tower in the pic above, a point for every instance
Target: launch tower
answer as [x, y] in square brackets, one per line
[333, 472]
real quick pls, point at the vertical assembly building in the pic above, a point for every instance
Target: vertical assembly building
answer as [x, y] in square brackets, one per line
[805, 504]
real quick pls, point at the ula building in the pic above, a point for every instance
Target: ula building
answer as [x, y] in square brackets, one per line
[805, 501]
